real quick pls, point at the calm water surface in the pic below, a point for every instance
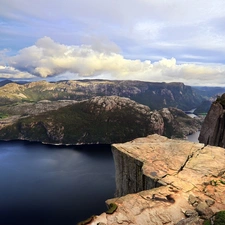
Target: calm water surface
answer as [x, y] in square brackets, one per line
[42, 184]
[46, 185]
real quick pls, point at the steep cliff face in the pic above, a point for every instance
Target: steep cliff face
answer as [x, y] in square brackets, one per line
[191, 176]
[212, 131]
[129, 175]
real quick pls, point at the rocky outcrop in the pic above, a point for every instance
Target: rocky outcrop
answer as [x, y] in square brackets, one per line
[186, 181]
[212, 131]
[177, 124]
[102, 119]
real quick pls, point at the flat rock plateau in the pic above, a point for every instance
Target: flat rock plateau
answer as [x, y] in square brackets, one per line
[164, 181]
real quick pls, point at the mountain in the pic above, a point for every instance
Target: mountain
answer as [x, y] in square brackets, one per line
[154, 95]
[107, 119]
[209, 94]
[212, 131]
[4, 82]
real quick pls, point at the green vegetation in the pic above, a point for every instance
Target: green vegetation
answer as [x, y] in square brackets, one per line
[112, 208]
[207, 222]
[213, 182]
[86, 221]
[81, 123]
[219, 218]
[222, 182]
[3, 115]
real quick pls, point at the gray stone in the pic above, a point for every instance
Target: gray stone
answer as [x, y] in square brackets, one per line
[192, 199]
[190, 221]
[210, 202]
[190, 213]
[204, 211]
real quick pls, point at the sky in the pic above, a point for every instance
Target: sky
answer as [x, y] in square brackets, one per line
[148, 40]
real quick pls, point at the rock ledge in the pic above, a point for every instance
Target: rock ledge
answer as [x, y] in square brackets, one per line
[186, 182]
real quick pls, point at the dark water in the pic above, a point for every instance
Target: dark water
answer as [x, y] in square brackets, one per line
[42, 184]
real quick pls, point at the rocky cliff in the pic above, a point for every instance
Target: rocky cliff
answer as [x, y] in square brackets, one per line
[97, 120]
[108, 119]
[212, 131]
[154, 95]
[187, 183]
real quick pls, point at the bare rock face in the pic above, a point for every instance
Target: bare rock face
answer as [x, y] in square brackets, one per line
[177, 124]
[186, 182]
[212, 131]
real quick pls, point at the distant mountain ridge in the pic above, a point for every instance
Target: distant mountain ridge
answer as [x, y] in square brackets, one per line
[154, 95]
[95, 111]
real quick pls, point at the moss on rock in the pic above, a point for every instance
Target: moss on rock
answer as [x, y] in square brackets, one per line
[88, 220]
[112, 208]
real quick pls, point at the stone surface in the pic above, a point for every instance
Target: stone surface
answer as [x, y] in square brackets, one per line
[182, 175]
[212, 131]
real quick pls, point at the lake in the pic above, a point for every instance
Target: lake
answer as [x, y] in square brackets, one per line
[41, 184]
[46, 185]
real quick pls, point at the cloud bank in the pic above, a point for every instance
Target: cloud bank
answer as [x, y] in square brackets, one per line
[48, 58]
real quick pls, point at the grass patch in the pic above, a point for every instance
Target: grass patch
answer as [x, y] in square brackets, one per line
[219, 218]
[3, 115]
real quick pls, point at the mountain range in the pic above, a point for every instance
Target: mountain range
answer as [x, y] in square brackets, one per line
[97, 111]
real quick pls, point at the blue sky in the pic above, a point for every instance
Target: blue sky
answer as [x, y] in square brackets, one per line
[149, 40]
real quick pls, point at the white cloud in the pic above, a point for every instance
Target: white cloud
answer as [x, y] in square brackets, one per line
[48, 59]
[12, 73]
[145, 28]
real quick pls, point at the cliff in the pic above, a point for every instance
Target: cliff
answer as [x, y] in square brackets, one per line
[108, 119]
[186, 182]
[212, 131]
